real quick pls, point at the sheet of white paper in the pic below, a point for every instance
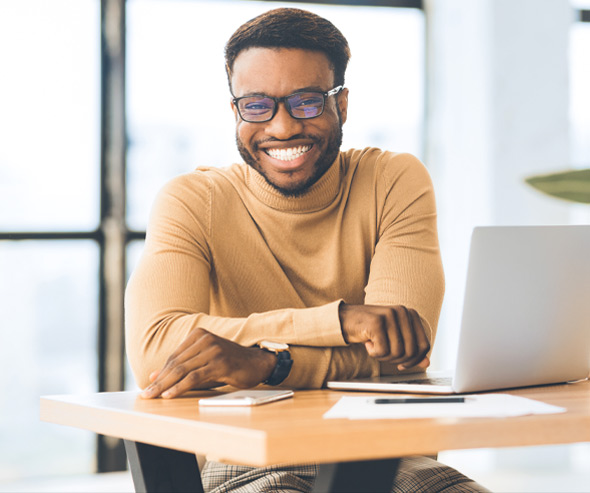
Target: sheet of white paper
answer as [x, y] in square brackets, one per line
[475, 406]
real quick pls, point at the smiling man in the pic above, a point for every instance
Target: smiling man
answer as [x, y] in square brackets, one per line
[300, 265]
[300, 139]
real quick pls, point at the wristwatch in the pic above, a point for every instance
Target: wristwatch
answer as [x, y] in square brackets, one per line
[284, 361]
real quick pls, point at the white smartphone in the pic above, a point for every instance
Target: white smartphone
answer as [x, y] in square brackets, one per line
[246, 398]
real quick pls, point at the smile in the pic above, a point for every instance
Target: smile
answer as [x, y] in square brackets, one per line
[288, 154]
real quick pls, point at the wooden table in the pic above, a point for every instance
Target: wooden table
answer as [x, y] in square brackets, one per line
[163, 436]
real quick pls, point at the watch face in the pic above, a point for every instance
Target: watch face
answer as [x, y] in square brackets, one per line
[274, 346]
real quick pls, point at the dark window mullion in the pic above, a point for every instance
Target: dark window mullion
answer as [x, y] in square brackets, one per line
[111, 350]
[51, 235]
[410, 4]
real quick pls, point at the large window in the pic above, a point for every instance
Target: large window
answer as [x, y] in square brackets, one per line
[49, 107]
[49, 175]
[579, 90]
[580, 99]
[61, 106]
[48, 312]
[179, 114]
[71, 69]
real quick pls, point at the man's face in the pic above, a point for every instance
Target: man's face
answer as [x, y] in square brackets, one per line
[292, 154]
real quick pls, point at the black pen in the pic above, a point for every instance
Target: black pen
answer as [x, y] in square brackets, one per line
[419, 400]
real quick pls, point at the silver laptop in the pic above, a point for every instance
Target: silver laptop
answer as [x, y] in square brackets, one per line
[526, 315]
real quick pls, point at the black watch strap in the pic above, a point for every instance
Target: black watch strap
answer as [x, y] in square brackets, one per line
[282, 368]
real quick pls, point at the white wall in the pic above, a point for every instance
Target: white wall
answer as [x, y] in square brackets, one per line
[497, 111]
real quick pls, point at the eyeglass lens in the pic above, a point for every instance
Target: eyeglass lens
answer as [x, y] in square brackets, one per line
[299, 105]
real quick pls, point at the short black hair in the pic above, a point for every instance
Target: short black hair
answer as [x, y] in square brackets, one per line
[290, 28]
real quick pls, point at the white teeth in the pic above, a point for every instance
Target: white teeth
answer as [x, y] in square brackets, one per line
[288, 154]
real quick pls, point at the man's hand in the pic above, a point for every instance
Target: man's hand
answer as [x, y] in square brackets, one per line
[390, 333]
[205, 360]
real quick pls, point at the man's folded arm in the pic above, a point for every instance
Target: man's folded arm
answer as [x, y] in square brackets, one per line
[160, 316]
[313, 367]
[168, 294]
[406, 268]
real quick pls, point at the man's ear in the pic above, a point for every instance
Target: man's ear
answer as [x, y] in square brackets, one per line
[343, 104]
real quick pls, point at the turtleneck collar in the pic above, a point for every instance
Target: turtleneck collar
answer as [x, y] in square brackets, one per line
[319, 196]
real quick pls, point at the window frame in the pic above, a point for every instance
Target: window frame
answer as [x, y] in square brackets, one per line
[112, 234]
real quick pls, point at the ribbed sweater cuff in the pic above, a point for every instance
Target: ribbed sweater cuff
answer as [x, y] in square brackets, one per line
[320, 324]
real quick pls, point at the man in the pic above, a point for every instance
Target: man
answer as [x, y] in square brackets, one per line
[331, 256]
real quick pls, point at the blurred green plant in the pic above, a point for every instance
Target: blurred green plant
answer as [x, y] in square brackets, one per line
[573, 185]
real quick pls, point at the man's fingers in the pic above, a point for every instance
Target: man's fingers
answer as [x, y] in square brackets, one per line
[390, 333]
[197, 378]
[407, 339]
[421, 345]
[425, 363]
[176, 379]
[177, 366]
[205, 360]
[163, 382]
[185, 350]
[174, 371]
[421, 338]
[377, 338]
[396, 324]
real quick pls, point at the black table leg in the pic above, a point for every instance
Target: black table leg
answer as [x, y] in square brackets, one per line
[373, 476]
[161, 470]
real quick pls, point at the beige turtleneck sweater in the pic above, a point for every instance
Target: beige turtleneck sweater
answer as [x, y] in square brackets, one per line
[226, 252]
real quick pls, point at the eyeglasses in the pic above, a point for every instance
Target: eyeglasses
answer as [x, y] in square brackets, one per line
[301, 105]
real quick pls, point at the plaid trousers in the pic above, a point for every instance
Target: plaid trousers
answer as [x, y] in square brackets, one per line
[415, 475]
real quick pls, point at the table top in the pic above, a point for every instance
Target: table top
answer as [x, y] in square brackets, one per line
[293, 430]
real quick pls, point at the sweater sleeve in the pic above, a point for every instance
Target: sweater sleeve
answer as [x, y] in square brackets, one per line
[168, 293]
[406, 268]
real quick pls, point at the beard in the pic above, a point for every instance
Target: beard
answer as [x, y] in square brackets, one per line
[322, 164]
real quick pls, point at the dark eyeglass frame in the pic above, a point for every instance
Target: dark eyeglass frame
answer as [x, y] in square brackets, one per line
[285, 99]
